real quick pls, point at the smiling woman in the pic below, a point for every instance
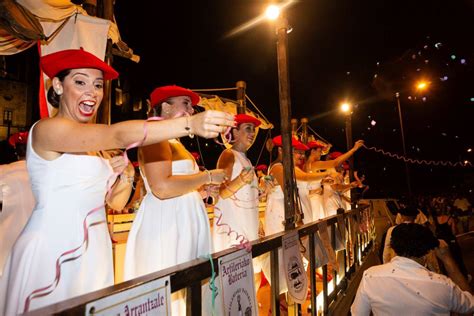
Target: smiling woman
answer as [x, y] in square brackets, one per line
[65, 249]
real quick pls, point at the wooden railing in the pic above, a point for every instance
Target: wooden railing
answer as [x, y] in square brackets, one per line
[189, 275]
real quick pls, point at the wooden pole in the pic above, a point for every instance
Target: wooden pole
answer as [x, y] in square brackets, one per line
[289, 189]
[304, 130]
[242, 106]
[106, 11]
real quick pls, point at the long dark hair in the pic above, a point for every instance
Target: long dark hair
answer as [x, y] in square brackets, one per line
[53, 97]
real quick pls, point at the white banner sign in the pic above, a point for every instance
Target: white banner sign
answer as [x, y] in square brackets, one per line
[237, 284]
[295, 274]
[152, 298]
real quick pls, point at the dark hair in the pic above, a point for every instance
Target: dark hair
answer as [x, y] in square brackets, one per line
[409, 211]
[20, 150]
[412, 240]
[156, 110]
[53, 97]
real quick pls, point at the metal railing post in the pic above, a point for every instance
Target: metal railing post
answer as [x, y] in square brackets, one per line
[274, 274]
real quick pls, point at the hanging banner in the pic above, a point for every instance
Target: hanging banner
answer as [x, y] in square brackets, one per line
[324, 235]
[152, 298]
[237, 284]
[295, 274]
[320, 252]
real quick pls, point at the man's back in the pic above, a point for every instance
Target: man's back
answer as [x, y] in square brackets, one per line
[404, 287]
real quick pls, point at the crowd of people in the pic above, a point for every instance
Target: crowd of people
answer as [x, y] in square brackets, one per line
[60, 246]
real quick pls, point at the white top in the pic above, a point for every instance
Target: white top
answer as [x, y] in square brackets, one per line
[331, 198]
[404, 287]
[175, 229]
[239, 211]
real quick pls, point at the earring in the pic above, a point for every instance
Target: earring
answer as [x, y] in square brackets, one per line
[58, 92]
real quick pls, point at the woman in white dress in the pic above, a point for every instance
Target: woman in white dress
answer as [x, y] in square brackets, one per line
[237, 205]
[314, 164]
[171, 226]
[69, 184]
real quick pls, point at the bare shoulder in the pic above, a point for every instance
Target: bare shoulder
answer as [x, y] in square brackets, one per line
[156, 152]
[225, 159]
[276, 168]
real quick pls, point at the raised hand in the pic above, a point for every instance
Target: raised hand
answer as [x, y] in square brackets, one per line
[358, 144]
[217, 176]
[210, 123]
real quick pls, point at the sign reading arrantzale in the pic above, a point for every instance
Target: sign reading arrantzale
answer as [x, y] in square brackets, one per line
[152, 298]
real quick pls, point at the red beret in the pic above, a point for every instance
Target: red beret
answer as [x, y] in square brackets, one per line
[54, 63]
[261, 167]
[334, 155]
[244, 118]
[18, 138]
[277, 141]
[345, 165]
[315, 144]
[163, 93]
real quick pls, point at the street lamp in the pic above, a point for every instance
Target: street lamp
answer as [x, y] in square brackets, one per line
[272, 12]
[281, 28]
[420, 86]
[289, 187]
[346, 108]
[407, 171]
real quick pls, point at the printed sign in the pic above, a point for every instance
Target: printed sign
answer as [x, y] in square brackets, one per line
[152, 298]
[237, 284]
[295, 274]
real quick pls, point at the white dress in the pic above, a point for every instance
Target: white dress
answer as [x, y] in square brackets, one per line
[316, 200]
[303, 193]
[274, 218]
[167, 232]
[65, 189]
[332, 198]
[18, 202]
[239, 211]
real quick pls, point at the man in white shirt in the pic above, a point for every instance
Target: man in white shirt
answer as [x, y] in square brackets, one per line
[405, 287]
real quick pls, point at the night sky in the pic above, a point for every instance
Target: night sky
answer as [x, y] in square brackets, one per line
[361, 51]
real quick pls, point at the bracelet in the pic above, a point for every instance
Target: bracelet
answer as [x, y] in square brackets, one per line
[187, 128]
[209, 175]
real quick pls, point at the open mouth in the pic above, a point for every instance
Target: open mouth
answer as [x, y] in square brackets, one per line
[87, 107]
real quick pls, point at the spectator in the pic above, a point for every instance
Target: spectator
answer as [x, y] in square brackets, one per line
[405, 287]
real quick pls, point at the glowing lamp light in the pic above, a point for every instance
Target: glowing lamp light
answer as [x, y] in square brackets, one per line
[345, 107]
[272, 12]
[469, 150]
[422, 85]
